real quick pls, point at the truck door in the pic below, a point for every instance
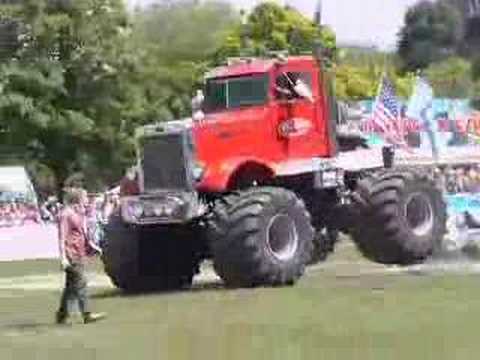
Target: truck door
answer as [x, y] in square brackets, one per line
[302, 131]
[236, 113]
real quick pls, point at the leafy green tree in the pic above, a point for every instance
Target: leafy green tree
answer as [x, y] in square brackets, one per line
[81, 76]
[271, 27]
[175, 43]
[432, 31]
[65, 93]
[472, 35]
[471, 27]
[355, 83]
[476, 69]
[476, 79]
[358, 74]
[451, 78]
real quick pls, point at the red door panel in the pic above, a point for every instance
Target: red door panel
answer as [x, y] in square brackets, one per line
[301, 123]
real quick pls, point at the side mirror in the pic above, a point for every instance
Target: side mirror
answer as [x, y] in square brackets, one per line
[303, 91]
[197, 101]
[197, 106]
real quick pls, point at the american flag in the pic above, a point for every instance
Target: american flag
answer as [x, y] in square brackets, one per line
[386, 113]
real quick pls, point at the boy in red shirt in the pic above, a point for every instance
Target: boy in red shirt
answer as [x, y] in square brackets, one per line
[75, 246]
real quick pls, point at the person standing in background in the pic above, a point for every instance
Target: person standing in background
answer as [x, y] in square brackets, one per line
[75, 246]
[451, 181]
[439, 178]
[92, 220]
[108, 207]
[129, 183]
[461, 180]
[473, 180]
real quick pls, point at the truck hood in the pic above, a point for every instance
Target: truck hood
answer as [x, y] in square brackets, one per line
[150, 129]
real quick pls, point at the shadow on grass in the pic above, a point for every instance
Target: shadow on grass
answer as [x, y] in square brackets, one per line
[196, 288]
[19, 328]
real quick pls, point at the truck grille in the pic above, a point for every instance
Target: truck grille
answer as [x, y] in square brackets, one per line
[166, 162]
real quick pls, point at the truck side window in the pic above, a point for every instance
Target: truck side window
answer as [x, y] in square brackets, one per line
[285, 83]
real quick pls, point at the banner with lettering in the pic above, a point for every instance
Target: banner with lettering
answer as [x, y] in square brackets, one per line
[452, 129]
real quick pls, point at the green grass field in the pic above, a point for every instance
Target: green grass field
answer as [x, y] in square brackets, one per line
[348, 309]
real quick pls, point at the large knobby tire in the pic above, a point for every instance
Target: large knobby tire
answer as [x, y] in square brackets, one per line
[261, 237]
[141, 259]
[400, 217]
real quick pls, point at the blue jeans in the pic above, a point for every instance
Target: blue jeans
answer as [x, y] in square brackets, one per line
[75, 290]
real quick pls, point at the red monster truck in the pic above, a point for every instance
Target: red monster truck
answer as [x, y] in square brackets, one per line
[260, 185]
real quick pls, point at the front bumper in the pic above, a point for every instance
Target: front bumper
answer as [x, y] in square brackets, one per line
[162, 208]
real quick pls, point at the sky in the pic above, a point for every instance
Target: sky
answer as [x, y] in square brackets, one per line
[362, 22]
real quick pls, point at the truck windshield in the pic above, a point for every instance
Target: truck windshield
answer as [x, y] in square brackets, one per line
[228, 93]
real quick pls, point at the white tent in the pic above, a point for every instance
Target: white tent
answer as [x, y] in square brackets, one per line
[14, 179]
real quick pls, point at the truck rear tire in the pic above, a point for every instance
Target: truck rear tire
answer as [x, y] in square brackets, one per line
[400, 217]
[261, 237]
[148, 259]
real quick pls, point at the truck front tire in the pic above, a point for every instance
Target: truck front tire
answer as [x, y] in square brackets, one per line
[148, 259]
[261, 237]
[400, 217]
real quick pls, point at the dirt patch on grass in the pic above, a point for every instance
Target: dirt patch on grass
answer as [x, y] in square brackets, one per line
[346, 266]
[54, 281]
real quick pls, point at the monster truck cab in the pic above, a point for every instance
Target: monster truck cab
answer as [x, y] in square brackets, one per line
[263, 117]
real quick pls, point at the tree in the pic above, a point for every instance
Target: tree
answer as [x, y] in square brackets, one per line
[176, 42]
[271, 27]
[471, 25]
[451, 78]
[472, 35]
[65, 93]
[476, 79]
[358, 74]
[432, 32]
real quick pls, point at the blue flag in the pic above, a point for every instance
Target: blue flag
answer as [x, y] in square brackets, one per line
[419, 107]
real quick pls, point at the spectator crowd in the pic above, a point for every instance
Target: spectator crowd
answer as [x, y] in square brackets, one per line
[18, 212]
[458, 179]
[15, 213]
[98, 212]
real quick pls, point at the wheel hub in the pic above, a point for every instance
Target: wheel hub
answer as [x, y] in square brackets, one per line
[282, 237]
[419, 214]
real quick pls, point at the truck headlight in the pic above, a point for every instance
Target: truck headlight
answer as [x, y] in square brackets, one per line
[168, 206]
[140, 210]
[158, 210]
[173, 205]
[169, 209]
[164, 209]
[135, 209]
